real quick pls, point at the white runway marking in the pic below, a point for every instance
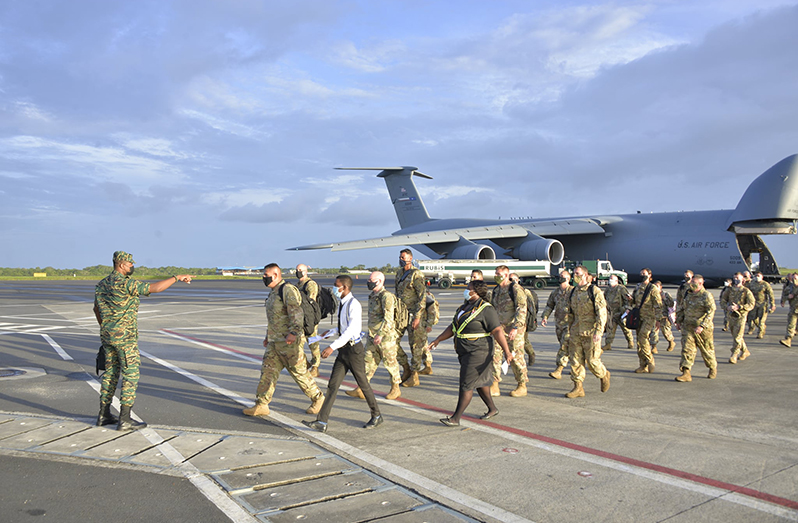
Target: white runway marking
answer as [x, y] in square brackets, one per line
[61, 352]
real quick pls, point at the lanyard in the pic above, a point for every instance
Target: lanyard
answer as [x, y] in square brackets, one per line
[458, 330]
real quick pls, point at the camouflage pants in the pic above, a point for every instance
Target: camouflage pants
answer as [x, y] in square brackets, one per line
[703, 342]
[585, 352]
[563, 337]
[280, 355]
[665, 328]
[612, 326]
[737, 327]
[757, 318]
[315, 352]
[121, 359]
[417, 338]
[647, 324]
[385, 352]
[528, 349]
[792, 319]
[519, 361]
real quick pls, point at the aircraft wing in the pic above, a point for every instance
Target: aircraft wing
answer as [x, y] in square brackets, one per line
[521, 230]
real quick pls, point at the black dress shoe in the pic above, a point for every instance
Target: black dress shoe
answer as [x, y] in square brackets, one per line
[488, 415]
[450, 423]
[319, 426]
[373, 422]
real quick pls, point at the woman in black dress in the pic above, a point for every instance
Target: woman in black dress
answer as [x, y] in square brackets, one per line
[472, 327]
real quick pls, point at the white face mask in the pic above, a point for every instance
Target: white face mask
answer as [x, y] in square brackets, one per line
[467, 294]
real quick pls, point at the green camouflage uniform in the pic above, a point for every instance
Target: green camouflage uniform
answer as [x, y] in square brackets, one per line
[618, 300]
[117, 298]
[697, 309]
[724, 296]
[650, 314]
[528, 349]
[413, 293]
[665, 325]
[792, 316]
[586, 318]
[558, 303]
[745, 299]
[431, 318]
[763, 295]
[312, 290]
[284, 318]
[382, 311]
[511, 314]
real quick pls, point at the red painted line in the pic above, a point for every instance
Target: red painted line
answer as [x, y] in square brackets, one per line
[770, 498]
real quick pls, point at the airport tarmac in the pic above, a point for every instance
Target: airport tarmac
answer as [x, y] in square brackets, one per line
[649, 449]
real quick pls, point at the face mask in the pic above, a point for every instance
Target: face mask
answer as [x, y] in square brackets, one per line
[563, 280]
[267, 280]
[132, 270]
[577, 278]
[371, 285]
[613, 283]
[737, 281]
[759, 278]
[401, 262]
[693, 287]
[644, 276]
[337, 292]
[299, 274]
[467, 294]
[498, 279]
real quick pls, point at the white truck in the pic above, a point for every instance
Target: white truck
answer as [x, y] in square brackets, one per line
[447, 272]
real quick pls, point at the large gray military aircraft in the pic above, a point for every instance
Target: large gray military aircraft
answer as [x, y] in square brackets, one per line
[715, 244]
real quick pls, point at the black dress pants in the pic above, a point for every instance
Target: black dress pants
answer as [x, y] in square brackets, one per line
[350, 358]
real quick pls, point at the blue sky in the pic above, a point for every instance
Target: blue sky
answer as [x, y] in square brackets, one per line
[202, 133]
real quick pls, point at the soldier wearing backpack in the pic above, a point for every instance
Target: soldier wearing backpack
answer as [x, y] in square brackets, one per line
[531, 318]
[411, 289]
[311, 289]
[509, 300]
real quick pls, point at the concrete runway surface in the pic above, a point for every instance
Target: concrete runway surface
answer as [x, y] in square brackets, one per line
[649, 449]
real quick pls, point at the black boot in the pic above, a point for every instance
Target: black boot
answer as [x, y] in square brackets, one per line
[105, 417]
[125, 423]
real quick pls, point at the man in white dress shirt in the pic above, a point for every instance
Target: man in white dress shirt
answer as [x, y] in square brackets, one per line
[351, 354]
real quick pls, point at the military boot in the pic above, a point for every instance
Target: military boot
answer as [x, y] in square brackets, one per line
[761, 332]
[556, 373]
[412, 381]
[733, 359]
[641, 369]
[605, 382]
[650, 366]
[685, 377]
[671, 345]
[494, 389]
[787, 342]
[315, 407]
[577, 391]
[745, 354]
[126, 423]
[426, 371]
[406, 372]
[355, 393]
[520, 391]
[750, 331]
[105, 417]
[394, 393]
[259, 409]
[654, 350]
[713, 373]
[606, 347]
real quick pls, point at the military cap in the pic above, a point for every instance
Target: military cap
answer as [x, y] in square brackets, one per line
[123, 256]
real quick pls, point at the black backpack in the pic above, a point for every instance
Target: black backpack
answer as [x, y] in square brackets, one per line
[531, 307]
[311, 312]
[327, 303]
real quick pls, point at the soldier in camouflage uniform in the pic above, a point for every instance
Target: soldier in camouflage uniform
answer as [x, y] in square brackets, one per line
[650, 315]
[586, 316]
[531, 297]
[665, 324]
[789, 294]
[723, 293]
[411, 288]
[737, 302]
[509, 300]
[432, 315]
[285, 339]
[694, 317]
[311, 288]
[558, 304]
[116, 306]
[765, 303]
[618, 300]
[382, 336]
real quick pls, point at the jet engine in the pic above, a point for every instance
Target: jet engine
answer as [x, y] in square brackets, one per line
[472, 251]
[540, 249]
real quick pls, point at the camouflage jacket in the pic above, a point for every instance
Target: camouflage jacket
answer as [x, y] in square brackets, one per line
[382, 311]
[412, 290]
[763, 293]
[117, 298]
[684, 288]
[790, 288]
[557, 303]
[652, 308]
[284, 317]
[741, 296]
[618, 299]
[312, 288]
[696, 309]
[585, 317]
[667, 303]
[511, 313]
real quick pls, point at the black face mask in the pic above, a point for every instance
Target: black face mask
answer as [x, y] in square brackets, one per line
[132, 270]
[563, 280]
[267, 280]
[371, 285]
[299, 274]
[401, 262]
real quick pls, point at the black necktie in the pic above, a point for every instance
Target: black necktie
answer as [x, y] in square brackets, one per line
[340, 309]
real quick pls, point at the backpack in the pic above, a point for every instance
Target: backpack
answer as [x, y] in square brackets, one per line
[433, 310]
[401, 316]
[327, 303]
[531, 307]
[633, 317]
[311, 312]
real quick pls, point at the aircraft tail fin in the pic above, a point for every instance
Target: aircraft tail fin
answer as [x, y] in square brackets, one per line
[407, 203]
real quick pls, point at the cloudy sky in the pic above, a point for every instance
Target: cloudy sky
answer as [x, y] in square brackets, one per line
[205, 134]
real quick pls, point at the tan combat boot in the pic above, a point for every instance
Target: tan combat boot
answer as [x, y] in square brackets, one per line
[654, 350]
[750, 331]
[606, 347]
[733, 358]
[641, 369]
[685, 377]
[671, 345]
[556, 373]
[761, 332]
[494, 389]
[745, 354]
[713, 373]
[605, 382]
[577, 392]
[394, 393]
[787, 342]
[260, 409]
[650, 366]
[520, 391]
[314, 371]
[406, 372]
[412, 381]
[315, 407]
[427, 370]
[354, 393]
